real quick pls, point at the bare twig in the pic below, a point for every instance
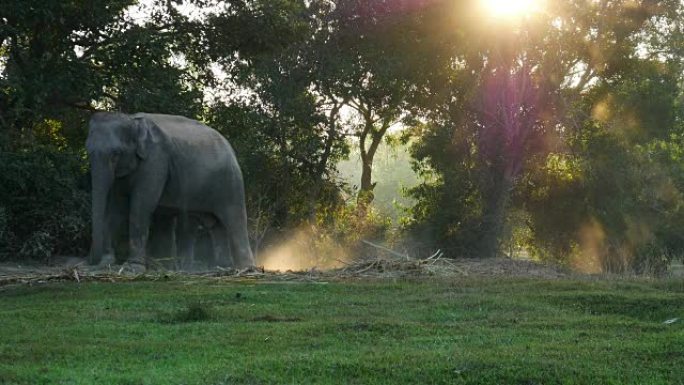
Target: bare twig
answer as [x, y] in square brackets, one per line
[386, 249]
[438, 254]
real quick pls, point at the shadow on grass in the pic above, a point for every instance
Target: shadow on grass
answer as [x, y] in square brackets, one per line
[644, 309]
[193, 312]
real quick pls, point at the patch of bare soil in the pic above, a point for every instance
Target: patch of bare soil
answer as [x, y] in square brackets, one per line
[76, 269]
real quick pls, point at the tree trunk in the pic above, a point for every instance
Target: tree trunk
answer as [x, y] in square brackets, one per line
[494, 216]
[365, 197]
[366, 173]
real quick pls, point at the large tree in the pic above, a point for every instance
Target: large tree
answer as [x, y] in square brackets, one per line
[518, 88]
[366, 59]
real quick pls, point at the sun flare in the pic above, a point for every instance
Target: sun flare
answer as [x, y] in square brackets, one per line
[510, 8]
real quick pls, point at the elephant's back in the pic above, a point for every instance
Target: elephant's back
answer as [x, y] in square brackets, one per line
[183, 129]
[190, 137]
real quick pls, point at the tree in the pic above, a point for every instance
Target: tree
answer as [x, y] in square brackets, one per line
[561, 57]
[362, 64]
[286, 136]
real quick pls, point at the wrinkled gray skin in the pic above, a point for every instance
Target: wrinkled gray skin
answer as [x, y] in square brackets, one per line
[165, 161]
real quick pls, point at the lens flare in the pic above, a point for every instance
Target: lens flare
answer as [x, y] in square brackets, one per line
[510, 8]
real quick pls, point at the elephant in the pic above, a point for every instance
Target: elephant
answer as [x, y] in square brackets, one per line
[156, 161]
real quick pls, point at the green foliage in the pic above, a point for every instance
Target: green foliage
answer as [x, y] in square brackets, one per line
[280, 157]
[587, 173]
[348, 225]
[392, 175]
[448, 212]
[44, 203]
[7, 237]
[554, 191]
[616, 193]
[279, 128]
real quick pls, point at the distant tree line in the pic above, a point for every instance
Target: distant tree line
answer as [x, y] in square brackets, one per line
[559, 134]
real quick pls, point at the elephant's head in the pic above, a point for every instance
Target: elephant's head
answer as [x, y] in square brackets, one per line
[116, 145]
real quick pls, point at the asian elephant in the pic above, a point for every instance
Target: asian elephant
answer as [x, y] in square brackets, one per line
[166, 161]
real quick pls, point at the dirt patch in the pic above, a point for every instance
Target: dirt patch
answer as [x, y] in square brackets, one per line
[76, 269]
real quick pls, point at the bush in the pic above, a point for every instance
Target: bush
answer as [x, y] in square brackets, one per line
[38, 245]
[44, 203]
[7, 238]
[345, 227]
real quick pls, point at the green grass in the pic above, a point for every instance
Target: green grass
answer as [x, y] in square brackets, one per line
[195, 331]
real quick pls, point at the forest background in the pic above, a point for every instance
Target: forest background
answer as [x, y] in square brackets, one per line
[554, 134]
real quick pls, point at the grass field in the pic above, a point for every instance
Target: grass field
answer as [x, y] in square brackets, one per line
[459, 331]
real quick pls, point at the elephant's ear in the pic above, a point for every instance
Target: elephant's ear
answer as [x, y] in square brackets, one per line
[145, 136]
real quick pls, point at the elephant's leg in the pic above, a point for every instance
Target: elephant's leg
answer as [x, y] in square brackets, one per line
[161, 244]
[204, 243]
[221, 246]
[139, 232]
[114, 224]
[108, 258]
[117, 212]
[234, 220]
[187, 234]
[142, 207]
[147, 188]
[204, 247]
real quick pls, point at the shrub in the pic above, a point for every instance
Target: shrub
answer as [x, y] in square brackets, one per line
[44, 203]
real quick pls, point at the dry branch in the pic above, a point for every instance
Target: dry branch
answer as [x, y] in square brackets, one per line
[400, 255]
[435, 265]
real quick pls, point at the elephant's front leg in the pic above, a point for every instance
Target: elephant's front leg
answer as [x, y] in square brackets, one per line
[138, 234]
[142, 207]
[116, 215]
[147, 189]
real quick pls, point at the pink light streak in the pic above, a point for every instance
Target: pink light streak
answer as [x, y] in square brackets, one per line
[509, 112]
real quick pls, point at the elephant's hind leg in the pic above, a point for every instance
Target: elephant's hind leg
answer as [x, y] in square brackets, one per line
[234, 220]
[187, 235]
[221, 246]
[161, 244]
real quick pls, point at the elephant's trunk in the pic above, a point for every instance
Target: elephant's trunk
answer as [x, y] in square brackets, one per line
[102, 180]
